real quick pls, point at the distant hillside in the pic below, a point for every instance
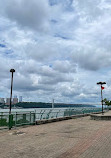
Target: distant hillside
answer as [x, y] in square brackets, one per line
[48, 105]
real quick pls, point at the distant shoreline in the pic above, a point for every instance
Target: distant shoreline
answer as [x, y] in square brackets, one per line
[46, 105]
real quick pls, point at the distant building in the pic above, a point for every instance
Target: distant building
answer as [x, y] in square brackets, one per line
[15, 100]
[2, 100]
[20, 98]
[7, 101]
[15, 96]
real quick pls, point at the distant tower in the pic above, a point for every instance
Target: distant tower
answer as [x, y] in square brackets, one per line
[15, 100]
[20, 98]
[2, 100]
[7, 101]
[52, 103]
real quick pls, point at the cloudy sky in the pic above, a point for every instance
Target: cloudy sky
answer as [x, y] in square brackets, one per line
[59, 48]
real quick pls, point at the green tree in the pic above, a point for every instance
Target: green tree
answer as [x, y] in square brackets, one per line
[107, 102]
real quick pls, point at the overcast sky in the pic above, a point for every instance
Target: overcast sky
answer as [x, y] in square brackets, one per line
[59, 49]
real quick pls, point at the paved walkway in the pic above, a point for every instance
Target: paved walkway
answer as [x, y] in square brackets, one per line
[105, 114]
[76, 138]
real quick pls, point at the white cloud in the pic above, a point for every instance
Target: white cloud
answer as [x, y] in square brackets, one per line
[32, 14]
[58, 49]
[64, 66]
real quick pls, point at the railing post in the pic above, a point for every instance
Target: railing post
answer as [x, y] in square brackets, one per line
[24, 118]
[1, 118]
[39, 115]
[57, 113]
[10, 121]
[69, 111]
[30, 117]
[48, 114]
[34, 118]
[42, 114]
[15, 119]
[83, 111]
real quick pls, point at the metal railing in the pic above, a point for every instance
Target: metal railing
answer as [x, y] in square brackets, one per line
[16, 119]
[27, 118]
[54, 113]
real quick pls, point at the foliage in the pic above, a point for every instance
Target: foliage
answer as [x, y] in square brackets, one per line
[3, 122]
[107, 102]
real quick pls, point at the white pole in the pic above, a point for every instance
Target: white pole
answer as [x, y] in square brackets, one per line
[52, 103]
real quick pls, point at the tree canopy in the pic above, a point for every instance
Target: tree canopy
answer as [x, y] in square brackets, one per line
[107, 102]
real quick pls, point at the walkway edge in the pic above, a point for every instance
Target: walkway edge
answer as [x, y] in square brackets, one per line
[38, 122]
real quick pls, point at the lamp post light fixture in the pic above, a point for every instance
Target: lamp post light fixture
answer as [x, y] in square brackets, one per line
[12, 71]
[101, 83]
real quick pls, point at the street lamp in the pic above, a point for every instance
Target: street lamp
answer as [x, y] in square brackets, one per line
[12, 71]
[101, 83]
[10, 116]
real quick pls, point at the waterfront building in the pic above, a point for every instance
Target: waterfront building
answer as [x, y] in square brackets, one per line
[7, 101]
[2, 100]
[15, 100]
[20, 98]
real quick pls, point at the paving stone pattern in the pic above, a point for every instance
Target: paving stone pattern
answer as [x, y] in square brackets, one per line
[75, 138]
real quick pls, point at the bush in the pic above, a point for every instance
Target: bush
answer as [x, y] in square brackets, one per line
[3, 122]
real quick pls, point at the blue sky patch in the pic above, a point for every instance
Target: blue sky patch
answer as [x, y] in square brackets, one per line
[8, 52]
[2, 45]
[54, 21]
[61, 36]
